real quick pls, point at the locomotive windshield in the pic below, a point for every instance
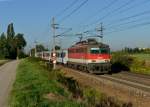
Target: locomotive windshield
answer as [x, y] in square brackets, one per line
[95, 50]
[104, 50]
[99, 51]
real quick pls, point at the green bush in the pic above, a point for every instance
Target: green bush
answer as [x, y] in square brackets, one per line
[71, 84]
[90, 96]
[125, 62]
[22, 55]
[121, 62]
[139, 66]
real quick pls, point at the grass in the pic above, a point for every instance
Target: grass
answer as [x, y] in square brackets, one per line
[141, 64]
[136, 63]
[142, 56]
[35, 86]
[3, 62]
[33, 83]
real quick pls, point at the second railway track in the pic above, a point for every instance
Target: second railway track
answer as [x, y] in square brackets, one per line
[136, 78]
[129, 82]
[138, 83]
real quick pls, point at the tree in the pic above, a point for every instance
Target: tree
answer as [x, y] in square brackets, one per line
[10, 44]
[10, 31]
[40, 48]
[3, 40]
[3, 46]
[20, 41]
[57, 47]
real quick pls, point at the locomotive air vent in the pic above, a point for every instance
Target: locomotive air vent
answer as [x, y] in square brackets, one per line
[92, 41]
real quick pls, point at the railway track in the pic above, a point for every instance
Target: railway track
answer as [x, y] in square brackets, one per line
[136, 74]
[135, 81]
[136, 78]
[129, 82]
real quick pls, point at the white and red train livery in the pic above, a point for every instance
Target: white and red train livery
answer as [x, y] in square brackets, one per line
[90, 56]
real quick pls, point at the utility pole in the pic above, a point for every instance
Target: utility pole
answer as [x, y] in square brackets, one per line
[101, 29]
[53, 25]
[30, 52]
[35, 48]
[17, 53]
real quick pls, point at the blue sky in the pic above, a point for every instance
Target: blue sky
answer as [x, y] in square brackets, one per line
[33, 18]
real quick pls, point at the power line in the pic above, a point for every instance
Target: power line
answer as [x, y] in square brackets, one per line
[109, 13]
[67, 8]
[76, 9]
[66, 31]
[125, 23]
[129, 17]
[124, 5]
[121, 7]
[130, 27]
[135, 6]
[102, 9]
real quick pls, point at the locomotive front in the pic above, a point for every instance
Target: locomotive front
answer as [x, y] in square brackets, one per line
[90, 56]
[98, 58]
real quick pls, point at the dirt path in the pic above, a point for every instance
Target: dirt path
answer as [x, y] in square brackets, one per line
[7, 76]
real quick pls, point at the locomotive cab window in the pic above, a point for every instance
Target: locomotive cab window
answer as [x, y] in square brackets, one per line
[104, 50]
[99, 51]
[94, 51]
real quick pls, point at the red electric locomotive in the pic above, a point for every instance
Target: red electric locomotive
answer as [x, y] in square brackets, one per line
[90, 56]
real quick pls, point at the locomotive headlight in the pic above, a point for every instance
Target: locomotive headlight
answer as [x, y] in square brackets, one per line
[93, 60]
[107, 60]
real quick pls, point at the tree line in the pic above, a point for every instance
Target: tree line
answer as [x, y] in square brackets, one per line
[136, 50]
[11, 44]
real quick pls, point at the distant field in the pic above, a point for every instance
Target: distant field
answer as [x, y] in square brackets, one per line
[142, 56]
[141, 64]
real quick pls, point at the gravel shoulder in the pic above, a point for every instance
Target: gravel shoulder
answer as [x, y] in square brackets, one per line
[119, 91]
[7, 77]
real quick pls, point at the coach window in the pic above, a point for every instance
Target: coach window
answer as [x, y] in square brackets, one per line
[81, 50]
[84, 50]
[63, 54]
[77, 50]
[60, 55]
[57, 54]
[72, 50]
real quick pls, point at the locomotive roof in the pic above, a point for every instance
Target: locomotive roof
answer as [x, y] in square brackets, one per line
[90, 42]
